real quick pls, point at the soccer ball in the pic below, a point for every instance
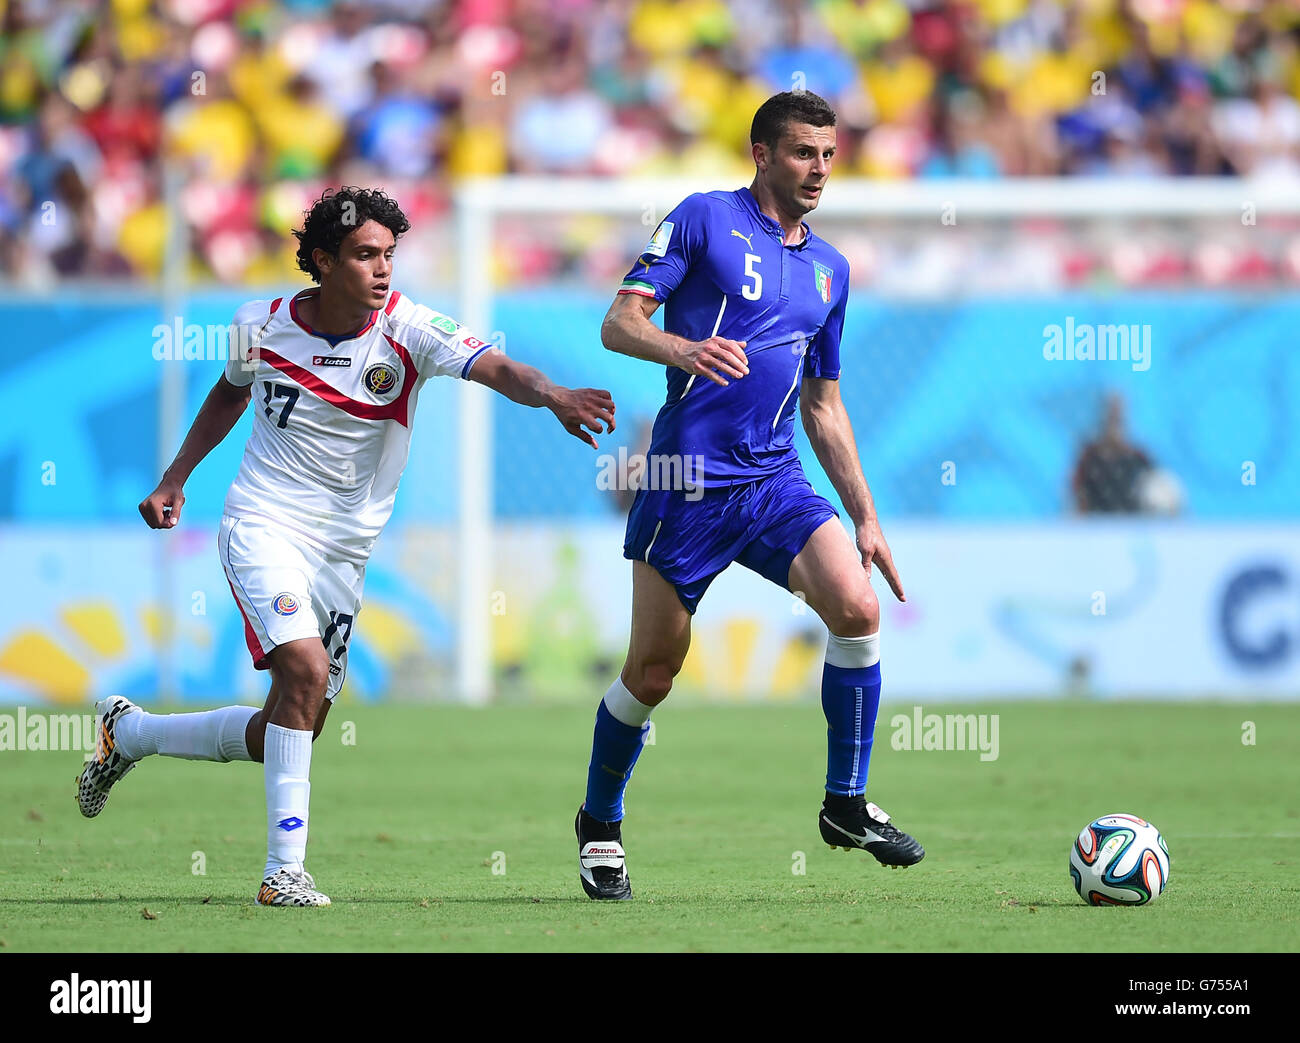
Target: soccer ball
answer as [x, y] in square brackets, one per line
[1119, 860]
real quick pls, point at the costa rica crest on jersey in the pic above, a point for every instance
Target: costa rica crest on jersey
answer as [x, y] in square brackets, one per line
[380, 378]
[822, 274]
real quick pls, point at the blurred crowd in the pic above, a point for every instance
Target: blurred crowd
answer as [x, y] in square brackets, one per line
[243, 110]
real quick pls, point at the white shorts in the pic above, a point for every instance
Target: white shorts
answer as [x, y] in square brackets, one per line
[288, 589]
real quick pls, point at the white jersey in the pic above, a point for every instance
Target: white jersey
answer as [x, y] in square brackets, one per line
[332, 424]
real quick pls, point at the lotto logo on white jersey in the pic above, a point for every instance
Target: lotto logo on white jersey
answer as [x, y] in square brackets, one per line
[330, 360]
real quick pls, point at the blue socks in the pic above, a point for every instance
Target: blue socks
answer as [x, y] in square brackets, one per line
[850, 700]
[621, 727]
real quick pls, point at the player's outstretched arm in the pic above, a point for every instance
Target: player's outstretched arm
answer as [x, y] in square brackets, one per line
[831, 434]
[577, 409]
[225, 403]
[628, 330]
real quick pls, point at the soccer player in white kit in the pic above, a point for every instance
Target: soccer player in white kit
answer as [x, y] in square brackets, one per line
[333, 375]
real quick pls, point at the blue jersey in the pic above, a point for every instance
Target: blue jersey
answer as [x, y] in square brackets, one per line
[721, 268]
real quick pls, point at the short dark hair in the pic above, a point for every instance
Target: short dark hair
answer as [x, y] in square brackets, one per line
[789, 107]
[325, 226]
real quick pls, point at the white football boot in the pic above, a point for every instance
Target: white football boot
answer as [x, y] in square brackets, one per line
[108, 765]
[290, 885]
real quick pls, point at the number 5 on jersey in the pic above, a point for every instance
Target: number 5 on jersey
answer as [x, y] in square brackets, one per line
[755, 291]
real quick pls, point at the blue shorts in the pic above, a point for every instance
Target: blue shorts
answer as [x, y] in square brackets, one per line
[762, 524]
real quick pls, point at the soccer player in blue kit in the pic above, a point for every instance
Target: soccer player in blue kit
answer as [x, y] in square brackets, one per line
[753, 314]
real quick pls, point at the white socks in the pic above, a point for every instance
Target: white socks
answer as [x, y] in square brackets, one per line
[218, 735]
[288, 763]
[853, 653]
[625, 707]
[213, 735]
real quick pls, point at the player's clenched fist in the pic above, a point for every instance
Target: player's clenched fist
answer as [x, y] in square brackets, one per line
[579, 408]
[161, 509]
[715, 356]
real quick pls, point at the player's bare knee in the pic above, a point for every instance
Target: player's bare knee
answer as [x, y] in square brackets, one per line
[855, 616]
[301, 681]
[304, 679]
[652, 682]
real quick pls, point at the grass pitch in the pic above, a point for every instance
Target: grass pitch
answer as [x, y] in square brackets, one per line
[452, 829]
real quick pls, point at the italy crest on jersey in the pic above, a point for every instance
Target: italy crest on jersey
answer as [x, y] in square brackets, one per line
[823, 276]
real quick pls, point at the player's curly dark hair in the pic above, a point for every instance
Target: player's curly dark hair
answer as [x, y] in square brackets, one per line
[789, 107]
[336, 214]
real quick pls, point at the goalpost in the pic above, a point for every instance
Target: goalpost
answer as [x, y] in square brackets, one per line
[922, 207]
